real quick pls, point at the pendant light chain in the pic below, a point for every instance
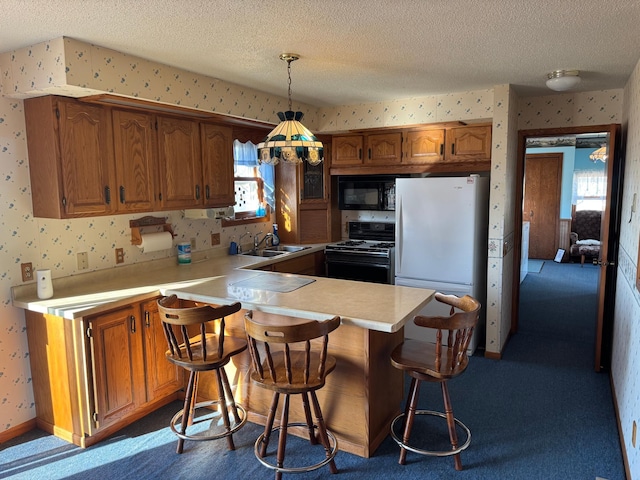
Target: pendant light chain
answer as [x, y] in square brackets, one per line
[289, 73]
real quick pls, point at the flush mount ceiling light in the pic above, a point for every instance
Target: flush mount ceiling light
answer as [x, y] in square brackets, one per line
[599, 155]
[290, 141]
[562, 80]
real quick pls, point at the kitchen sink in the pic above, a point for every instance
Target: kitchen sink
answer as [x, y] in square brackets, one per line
[263, 253]
[286, 248]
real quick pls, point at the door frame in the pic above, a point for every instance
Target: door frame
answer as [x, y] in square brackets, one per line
[609, 238]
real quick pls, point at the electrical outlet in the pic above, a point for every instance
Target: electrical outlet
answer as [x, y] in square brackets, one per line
[193, 243]
[27, 272]
[119, 255]
[215, 239]
[83, 261]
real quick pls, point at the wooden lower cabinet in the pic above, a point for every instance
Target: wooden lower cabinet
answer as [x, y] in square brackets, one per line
[94, 375]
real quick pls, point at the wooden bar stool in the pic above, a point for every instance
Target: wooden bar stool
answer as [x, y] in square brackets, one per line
[438, 362]
[209, 349]
[285, 361]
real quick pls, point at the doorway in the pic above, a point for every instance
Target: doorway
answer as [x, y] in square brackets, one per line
[609, 238]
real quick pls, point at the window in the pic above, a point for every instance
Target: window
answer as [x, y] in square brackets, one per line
[254, 185]
[589, 189]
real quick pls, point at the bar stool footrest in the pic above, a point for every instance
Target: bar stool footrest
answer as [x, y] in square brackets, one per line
[432, 453]
[234, 426]
[333, 441]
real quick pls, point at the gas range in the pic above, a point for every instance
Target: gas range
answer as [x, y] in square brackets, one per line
[367, 236]
[361, 246]
[368, 254]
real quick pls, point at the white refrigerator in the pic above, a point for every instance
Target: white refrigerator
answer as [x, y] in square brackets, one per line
[441, 243]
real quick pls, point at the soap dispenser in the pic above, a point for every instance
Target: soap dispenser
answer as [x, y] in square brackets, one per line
[275, 240]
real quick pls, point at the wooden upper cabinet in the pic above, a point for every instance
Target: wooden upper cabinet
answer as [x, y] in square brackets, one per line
[347, 150]
[423, 147]
[217, 165]
[383, 148]
[179, 163]
[468, 143]
[134, 150]
[70, 158]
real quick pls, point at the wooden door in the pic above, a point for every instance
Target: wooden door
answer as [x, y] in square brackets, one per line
[180, 164]
[162, 377]
[542, 187]
[217, 165]
[424, 147]
[116, 357]
[86, 159]
[134, 141]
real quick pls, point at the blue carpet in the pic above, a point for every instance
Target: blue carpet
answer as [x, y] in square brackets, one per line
[539, 413]
[534, 266]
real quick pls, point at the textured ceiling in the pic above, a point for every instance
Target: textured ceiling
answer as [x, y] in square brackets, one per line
[353, 51]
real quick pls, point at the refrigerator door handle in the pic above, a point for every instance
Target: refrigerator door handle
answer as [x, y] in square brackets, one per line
[399, 229]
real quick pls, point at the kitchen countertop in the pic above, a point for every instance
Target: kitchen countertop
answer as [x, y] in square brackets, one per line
[221, 279]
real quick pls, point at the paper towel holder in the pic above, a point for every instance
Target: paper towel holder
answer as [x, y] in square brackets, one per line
[148, 221]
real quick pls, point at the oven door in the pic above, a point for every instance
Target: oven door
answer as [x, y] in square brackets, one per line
[356, 269]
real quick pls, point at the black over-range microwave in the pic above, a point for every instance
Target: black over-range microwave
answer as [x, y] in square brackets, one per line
[367, 192]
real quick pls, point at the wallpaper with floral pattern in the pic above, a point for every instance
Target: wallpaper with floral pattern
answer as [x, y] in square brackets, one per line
[68, 67]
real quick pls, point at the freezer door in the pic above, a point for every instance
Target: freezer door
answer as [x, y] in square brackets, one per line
[436, 228]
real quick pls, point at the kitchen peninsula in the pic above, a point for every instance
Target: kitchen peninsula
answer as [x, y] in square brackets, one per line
[73, 382]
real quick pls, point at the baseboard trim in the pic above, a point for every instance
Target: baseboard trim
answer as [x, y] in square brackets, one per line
[623, 448]
[18, 430]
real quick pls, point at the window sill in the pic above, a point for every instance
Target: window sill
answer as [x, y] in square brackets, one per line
[240, 220]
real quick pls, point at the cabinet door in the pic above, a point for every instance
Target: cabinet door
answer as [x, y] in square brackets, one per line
[116, 358]
[468, 144]
[179, 163]
[86, 159]
[217, 165]
[384, 149]
[163, 377]
[347, 150]
[134, 140]
[424, 147]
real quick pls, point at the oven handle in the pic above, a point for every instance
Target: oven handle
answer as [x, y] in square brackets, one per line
[357, 252]
[358, 264]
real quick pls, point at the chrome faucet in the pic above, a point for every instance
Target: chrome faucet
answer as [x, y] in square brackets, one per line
[245, 234]
[257, 242]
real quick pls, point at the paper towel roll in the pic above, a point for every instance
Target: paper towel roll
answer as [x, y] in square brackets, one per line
[152, 242]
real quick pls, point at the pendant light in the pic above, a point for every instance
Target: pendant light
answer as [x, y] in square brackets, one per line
[599, 155]
[290, 141]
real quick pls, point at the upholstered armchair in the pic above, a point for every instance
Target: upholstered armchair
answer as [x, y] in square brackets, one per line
[585, 234]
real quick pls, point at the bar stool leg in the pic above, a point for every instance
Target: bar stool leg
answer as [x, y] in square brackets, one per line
[307, 414]
[229, 394]
[409, 416]
[451, 424]
[282, 440]
[186, 409]
[223, 408]
[269, 425]
[322, 431]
